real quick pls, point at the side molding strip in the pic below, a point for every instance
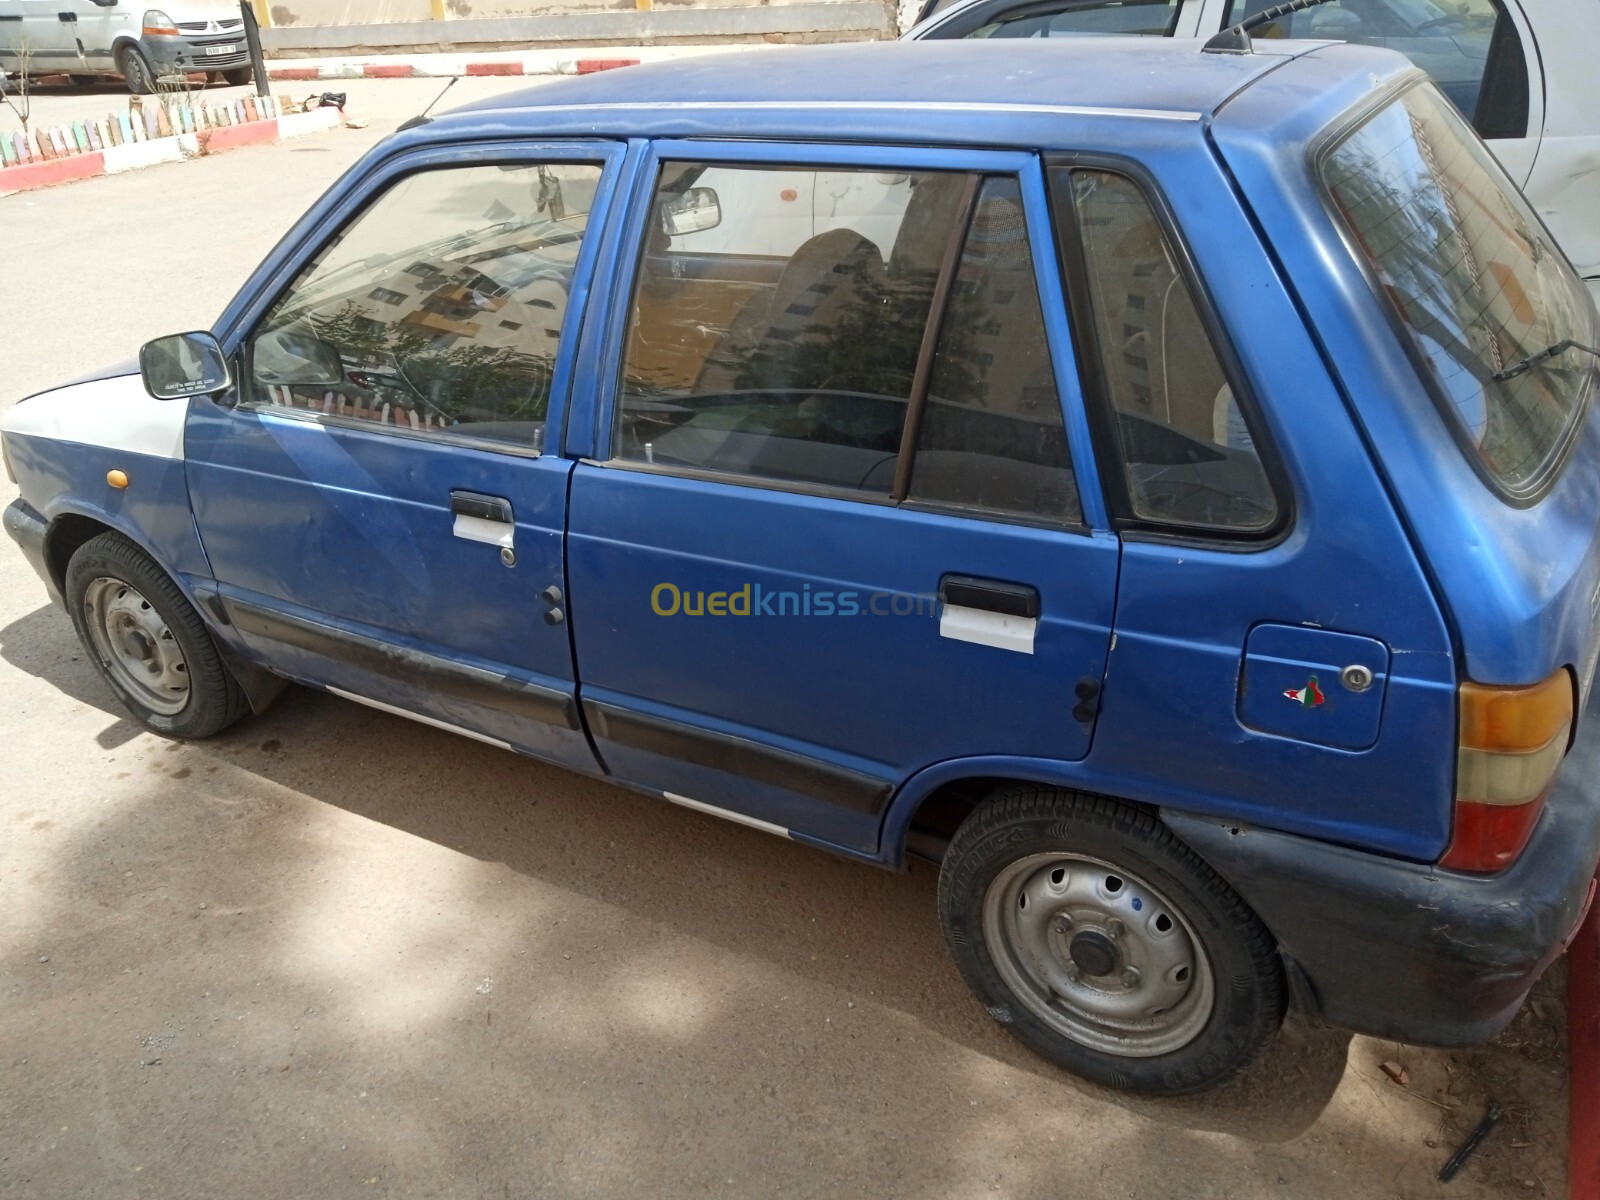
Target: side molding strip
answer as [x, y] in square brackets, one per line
[416, 716]
[739, 756]
[519, 697]
[726, 814]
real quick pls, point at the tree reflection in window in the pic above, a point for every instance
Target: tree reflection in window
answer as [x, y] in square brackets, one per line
[441, 305]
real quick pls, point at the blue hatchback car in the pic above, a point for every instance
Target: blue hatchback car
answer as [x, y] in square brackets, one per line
[1160, 485]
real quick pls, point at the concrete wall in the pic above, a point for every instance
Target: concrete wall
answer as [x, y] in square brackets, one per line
[306, 27]
[347, 12]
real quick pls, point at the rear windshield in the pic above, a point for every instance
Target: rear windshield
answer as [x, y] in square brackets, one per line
[1498, 317]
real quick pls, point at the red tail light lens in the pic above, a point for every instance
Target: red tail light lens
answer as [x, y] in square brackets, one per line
[1511, 745]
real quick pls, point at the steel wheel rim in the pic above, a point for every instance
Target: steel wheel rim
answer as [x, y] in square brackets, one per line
[1098, 954]
[135, 646]
[136, 73]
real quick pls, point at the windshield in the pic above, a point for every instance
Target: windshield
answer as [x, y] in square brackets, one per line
[1476, 280]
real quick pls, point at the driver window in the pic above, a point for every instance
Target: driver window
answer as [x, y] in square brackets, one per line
[438, 310]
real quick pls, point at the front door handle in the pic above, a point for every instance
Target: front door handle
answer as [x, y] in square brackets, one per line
[480, 518]
[988, 612]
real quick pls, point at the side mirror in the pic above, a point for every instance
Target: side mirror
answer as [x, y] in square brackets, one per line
[184, 365]
[696, 210]
[289, 358]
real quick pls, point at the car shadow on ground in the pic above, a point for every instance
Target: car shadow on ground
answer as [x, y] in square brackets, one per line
[865, 932]
[43, 645]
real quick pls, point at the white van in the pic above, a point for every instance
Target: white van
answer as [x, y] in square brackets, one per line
[90, 38]
[1524, 72]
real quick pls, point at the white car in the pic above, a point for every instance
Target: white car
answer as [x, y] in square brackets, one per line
[90, 38]
[1522, 71]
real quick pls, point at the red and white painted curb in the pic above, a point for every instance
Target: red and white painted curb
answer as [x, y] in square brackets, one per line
[113, 160]
[425, 69]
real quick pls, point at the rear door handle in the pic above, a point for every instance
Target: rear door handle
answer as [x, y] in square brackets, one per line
[990, 595]
[480, 518]
[988, 612]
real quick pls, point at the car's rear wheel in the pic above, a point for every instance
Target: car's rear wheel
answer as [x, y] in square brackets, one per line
[239, 76]
[1105, 944]
[148, 642]
[136, 71]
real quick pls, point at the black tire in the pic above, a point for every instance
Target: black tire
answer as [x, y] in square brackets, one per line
[213, 699]
[83, 80]
[1225, 961]
[136, 71]
[238, 77]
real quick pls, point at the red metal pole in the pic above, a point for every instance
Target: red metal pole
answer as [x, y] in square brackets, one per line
[1583, 1060]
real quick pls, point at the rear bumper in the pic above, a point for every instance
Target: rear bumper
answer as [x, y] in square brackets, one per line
[28, 529]
[1406, 950]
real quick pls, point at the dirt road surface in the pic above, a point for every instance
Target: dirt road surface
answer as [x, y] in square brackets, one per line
[337, 954]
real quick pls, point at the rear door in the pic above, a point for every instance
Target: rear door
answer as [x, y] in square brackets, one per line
[35, 29]
[381, 509]
[829, 531]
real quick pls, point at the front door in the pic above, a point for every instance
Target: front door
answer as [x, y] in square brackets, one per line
[836, 533]
[380, 509]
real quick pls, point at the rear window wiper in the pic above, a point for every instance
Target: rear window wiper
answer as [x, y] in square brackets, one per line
[1523, 364]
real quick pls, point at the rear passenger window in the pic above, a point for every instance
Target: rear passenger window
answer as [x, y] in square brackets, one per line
[991, 435]
[808, 327]
[775, 333]
[1471, 48]
[1188, 453]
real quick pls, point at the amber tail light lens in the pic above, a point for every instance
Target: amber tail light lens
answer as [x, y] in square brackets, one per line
[1511, 745]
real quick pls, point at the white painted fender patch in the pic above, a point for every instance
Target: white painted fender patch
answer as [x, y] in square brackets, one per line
[115, 414]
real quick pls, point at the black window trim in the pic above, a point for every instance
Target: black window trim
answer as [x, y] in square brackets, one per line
[1114, 483]
[648, 186]
[1317, 152]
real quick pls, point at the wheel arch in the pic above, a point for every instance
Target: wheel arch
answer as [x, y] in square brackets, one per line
[124, 40]
[929, 806]
[67, 532]
[70, 528]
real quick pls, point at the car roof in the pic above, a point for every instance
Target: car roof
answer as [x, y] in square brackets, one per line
[944, 91]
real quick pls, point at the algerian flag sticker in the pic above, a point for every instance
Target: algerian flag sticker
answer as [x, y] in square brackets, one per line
[1310, 696]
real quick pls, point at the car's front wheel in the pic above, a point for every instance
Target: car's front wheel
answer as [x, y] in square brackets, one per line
[1105, 944]
[136, 71]
[148, 642]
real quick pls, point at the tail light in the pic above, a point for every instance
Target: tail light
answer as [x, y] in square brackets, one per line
[1511, 745]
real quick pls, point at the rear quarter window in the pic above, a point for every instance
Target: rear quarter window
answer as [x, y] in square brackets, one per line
[1494, 314]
